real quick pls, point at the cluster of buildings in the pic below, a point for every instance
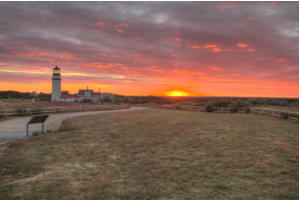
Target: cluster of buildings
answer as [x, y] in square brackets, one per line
[83, 95]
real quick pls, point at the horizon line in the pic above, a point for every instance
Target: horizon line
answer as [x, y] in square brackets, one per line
[164, 96]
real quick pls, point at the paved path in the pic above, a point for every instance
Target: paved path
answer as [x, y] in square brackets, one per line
[16, 128]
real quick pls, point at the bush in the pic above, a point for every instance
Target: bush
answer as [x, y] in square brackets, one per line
[120, 100]
[1, 112]
[209, 108]
[234, 108]
[221, 104]
[86, 101]
[20, 109]
[247, 110]
[284, 115]
[106, 100]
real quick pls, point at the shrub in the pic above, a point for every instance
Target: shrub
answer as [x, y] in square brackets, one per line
[86, 101]
[247, 110]
[120, 100]
[1, 112]
[106, 100]
[284, 115]
[234, 108]
[209, 108]
[221, 104]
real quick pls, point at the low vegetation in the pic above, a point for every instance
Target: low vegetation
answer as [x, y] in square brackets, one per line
[156, 154]
[23, 95]
[217, 102]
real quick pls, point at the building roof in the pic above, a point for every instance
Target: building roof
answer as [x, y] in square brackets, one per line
[56, 68]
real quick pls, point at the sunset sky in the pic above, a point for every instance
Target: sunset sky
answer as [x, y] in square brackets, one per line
[152, 48]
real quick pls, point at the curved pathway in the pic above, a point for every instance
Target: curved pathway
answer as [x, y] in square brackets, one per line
[16, 128]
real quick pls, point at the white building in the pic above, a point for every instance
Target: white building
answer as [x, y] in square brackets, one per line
[82, 95]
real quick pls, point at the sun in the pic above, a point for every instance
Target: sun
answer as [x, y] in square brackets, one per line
[177, 93]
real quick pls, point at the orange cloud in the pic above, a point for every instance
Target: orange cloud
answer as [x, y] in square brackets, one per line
[251, 50]
[215, 68]
[242, 45]
[210, 46]
[119, 30]
[178, 39]
[218, 50]
[188, 72]
[195, 47]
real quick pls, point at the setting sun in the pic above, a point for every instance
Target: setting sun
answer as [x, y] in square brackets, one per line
[176, 93]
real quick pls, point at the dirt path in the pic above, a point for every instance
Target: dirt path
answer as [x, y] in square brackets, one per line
[16, 128]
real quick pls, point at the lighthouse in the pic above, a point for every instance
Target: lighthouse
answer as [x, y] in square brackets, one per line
[56, 84]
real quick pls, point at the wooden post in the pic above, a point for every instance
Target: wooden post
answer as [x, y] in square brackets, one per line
[43, 127]
[27, 129]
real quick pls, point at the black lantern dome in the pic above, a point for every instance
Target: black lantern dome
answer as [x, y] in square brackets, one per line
[56, 70]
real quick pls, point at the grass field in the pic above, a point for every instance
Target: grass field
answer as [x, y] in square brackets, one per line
[156, 154]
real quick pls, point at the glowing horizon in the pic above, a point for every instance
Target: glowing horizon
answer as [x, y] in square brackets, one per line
[237, 49]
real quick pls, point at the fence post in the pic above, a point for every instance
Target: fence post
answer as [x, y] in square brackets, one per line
[4, 109]
[27, 129]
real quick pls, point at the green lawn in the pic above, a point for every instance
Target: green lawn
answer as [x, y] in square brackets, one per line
[156, 154]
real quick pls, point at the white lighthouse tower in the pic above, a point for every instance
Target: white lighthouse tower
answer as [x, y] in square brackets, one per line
[56, 84]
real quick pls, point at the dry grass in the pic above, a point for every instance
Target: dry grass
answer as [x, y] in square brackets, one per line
[282, 108]
[157, 154]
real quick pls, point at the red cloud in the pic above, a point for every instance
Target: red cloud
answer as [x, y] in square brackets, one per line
[250, 19]
[99, 23]
[282, 60]
[215, 68]
[218, 50]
